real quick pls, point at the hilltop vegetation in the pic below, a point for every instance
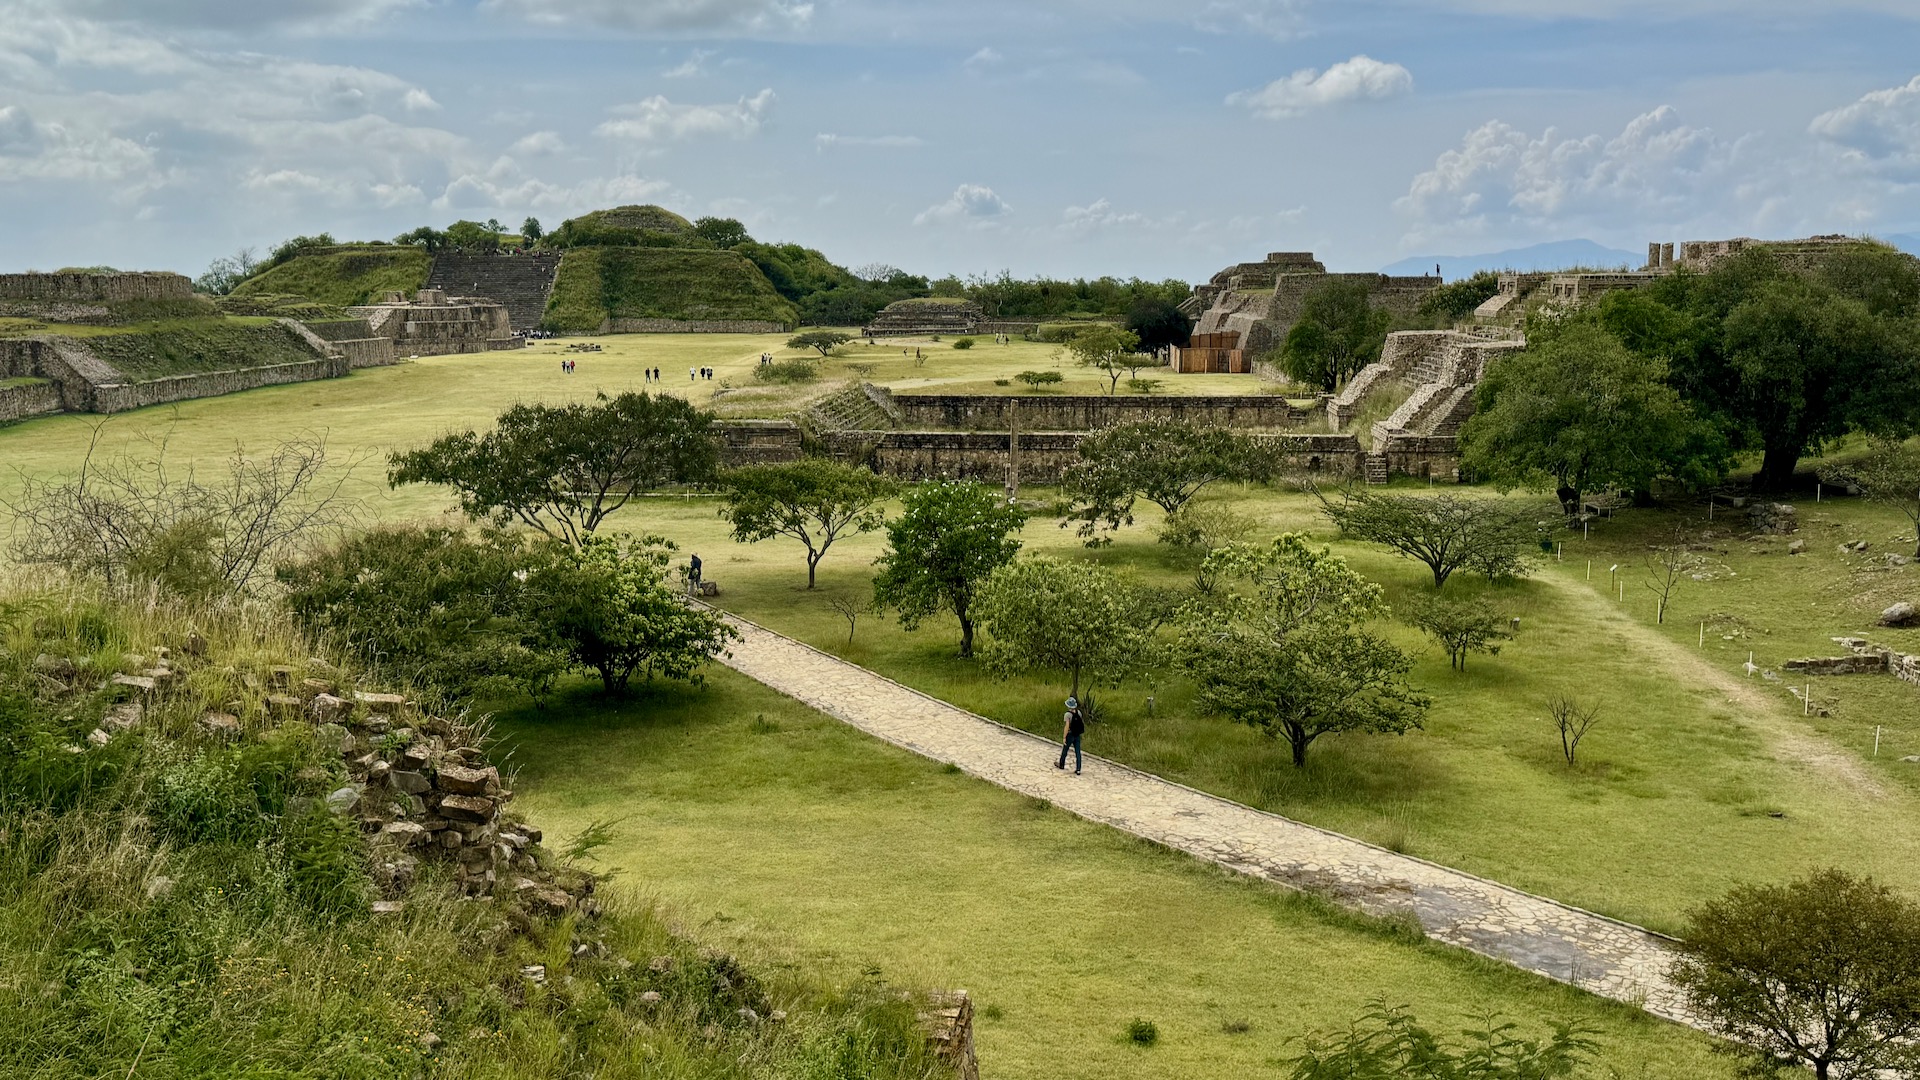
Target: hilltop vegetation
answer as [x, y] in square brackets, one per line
[344, 276]
[597, 284]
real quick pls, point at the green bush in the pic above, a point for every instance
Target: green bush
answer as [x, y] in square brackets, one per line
[963, 343]
[1143, 1032]
[786, 372]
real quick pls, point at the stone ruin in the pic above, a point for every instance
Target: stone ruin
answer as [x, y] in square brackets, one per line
[423, 791]
[925, 318]
[85, 298]
[1260, 301]
[435, 324]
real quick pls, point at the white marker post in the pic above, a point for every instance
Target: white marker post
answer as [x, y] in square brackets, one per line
[1703, 635]
[1876, 741]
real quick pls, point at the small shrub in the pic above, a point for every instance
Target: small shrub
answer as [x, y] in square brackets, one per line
[786, 372]
[1038, 379]
[1143, 386]
[760, 725]
[326, 865]
[992, 1012]
[1003, 382]
[1235, 1027]
[963, 343]
[1143, 1032]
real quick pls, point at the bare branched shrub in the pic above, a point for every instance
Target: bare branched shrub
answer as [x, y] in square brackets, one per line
[1573, 720]
[131, 518]
[1667, 566]
[851, 608]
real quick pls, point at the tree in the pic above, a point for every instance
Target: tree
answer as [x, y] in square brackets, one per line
[949, 536]
[225, 273]
[1158, 323]
[1889, 473]
[1822, 973]
[531, 229]
[425, 236]
[1071, 617]
[1461, 627]
[1389, 1044]
[433, 606]
[1166, 462]
[814, 501]
[605, 604]
[820, 341]
[1456, 301]
[1280, 644]
[1446, 532]
[1581, 412]
[1572, 720]
[1339, 331]
[1107, 349]
[721, 232]
[563, 468]
[473, 235]
[1667, 566]
[124, 519]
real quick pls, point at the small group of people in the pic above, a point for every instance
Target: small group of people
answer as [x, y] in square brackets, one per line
[700, 374]
[535, 335]
[766, 358]
[567, 366]
[1003, 339]
[650, 374]
[915, 354]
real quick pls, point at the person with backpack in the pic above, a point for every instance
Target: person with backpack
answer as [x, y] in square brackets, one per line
[1075, 727]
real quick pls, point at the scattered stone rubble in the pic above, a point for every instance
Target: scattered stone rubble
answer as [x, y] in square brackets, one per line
[1866, 659]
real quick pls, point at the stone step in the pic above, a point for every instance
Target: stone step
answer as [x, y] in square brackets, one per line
[1374, 468]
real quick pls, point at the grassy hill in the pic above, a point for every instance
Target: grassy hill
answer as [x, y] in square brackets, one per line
[199, 346]
[345, 277]
[188, 894]
[596, 284]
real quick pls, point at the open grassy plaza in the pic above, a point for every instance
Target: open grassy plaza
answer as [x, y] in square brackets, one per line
[752, 819]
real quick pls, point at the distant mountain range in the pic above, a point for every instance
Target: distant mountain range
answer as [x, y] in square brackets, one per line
[1556, 255]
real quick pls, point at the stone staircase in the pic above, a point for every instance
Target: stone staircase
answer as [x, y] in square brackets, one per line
[1373, 467]
[520, 282]
[854, 408]
[1453, 410]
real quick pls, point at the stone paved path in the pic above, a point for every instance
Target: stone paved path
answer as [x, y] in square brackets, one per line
[1608, 957]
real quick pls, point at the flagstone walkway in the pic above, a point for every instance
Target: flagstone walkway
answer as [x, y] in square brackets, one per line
[1608, 957]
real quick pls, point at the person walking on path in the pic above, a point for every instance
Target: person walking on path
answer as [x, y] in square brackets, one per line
[1075, 727]
[693, 574]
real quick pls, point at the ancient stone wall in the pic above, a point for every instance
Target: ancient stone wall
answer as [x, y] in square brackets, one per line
[1435, 457]
[17, 402]
[435, 326]
[95, 288]
[366, 352]
[339, 329]
[1085, 412]
[759, 442]
[692, 326]
[120, 398]
[987, 455]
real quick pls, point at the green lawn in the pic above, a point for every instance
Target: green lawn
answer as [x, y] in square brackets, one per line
[801, 841]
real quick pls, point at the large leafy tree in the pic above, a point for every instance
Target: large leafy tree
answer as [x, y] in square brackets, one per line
[606, 605]
[1166, 462]
[1783, 360]
[1077, 618]
[949, 536]
[1580, 412]
[1456, 301]
[1447, 533]
[1109, 350]
[1822, 973]
[1158, 322]
[814, 501]
[1280, 643]
[1339, 331]
[562, 469]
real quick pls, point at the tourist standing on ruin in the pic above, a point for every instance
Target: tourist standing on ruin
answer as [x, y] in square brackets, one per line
[1075, 727]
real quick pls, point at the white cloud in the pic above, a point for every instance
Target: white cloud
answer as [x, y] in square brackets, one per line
[1360, 79]
[657, 120]
[695, 64]
[1279, 19]
[1099, 214]
[824, 142]
[418, 100]
[969, 202]
[1657, 172]
[230, 14]
[987, 57]
[749, 17]
[538, 143]
[1882, 130]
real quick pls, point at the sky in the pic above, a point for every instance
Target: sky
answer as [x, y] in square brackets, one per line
[1151, 138]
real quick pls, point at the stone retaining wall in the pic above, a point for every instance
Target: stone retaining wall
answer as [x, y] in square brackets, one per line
[120, 398]
[29, 399]
[759, 442]
[692, 326]
[95, 288]
[366, 352]
[973, 412]
[988, 455]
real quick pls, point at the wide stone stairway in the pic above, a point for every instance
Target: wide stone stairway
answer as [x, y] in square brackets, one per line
[521, 282]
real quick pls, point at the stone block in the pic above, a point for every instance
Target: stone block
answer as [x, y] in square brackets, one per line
[384, 702]
[124, 717]
[409, 782]
[143, 683]
[405, 833]
[224, 725]
[325, 706]
[467, 808]
[462, 780]
[1900, 615]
